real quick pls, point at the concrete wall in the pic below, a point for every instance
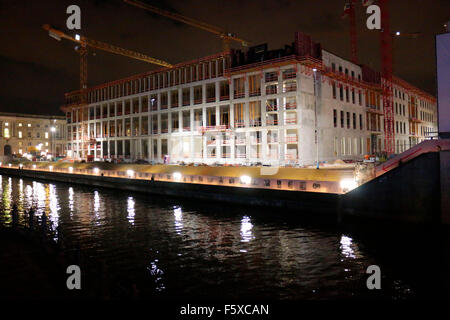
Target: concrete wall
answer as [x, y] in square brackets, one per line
[410, 192]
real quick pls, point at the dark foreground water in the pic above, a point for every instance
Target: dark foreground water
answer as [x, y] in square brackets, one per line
[171, 248]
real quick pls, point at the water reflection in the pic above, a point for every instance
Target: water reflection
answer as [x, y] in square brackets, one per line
[130, 210]
[246, 230]
[178, 214]
[187, 250]
[346, 247]
[71, 201]
[96, 207]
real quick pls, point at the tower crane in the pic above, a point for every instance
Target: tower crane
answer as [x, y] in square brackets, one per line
[226, 37]
[84, 43]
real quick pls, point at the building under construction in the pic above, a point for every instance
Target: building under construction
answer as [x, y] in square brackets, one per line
[293, 106]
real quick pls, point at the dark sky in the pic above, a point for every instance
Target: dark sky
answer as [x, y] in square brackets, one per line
[37, 70]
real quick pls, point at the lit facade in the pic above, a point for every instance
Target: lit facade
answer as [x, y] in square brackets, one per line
[208, 111]
[22, 134]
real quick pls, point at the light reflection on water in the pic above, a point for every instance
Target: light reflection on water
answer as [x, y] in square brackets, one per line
[167, 248]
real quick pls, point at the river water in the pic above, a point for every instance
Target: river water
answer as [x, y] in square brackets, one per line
[171, 248]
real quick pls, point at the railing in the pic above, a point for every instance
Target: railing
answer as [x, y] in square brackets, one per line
[290, 88]
[290, 120]
[289, 75]
[271, 77]
[197, 101]
[223, 98]
[255, 93]
[255, 123]
[240, 141]
[290, 106]
[239, 94]
[271, 122]
[239, 123]
[211, 99]
[291, 139]
[270, 90]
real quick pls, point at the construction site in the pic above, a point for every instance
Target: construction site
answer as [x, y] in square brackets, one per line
[300, 105]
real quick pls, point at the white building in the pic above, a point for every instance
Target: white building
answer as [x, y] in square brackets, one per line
[226, 109]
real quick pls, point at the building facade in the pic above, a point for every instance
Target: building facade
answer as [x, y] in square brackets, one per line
[285, 109]
[24, 134]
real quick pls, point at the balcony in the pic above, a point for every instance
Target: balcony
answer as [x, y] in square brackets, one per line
[198, 101]
[240, 141]
[272, 122]
[289, 75]
[291, 139]
[255, 123]
[211, 99]
[271, 90]
[186, 128]
[290, 120]
[239, 94]
[186, 103]
[255, 140]
[290, 105]
[211, 142]
[271, 77]
[224, 97]
[255, 93]
[291, 87]
[239, 124]
[174, 104]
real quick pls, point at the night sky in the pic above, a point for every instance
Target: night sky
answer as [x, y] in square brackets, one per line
[37, 70]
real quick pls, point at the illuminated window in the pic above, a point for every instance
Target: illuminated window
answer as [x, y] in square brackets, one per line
[20, 151]
[29, 125]
[20, 134]
[46, 135]
[20, 124]
[6, 124]
[46, 144]
[6, 133]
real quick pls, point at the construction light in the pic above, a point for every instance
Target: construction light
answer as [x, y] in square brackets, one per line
[50, 168]
[70, 169]
[177, 176]
[348, 184]
[96, 170]
[246, 180]
[130, 173]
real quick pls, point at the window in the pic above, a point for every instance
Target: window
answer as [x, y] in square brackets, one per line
[334, 90]
[6, 132]
[342, 119]
[335, 118]
[46, 135]
[348, 120]
[20, 134]
[354, 120]
[20, 124]
[341, 93]
[360, 122]
[29, 125]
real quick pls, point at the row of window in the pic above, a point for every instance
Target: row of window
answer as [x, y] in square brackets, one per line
[347, 120]
[347, 94]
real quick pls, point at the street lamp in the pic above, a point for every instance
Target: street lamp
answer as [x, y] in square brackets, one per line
[316, 131]
[52, 129]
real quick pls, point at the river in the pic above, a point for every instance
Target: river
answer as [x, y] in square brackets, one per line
[171, 248]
